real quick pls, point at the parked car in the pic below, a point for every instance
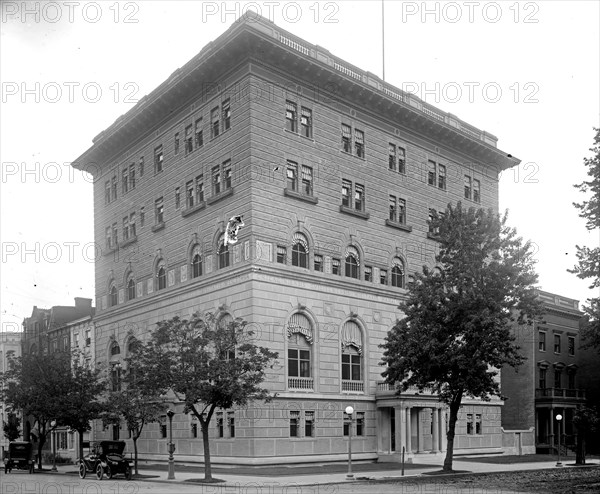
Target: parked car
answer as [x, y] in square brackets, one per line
[20, 456]
[105, 458]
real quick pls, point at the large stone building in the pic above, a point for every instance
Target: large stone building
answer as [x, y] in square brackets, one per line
[10, 347]
[548, 382]
[335, 173]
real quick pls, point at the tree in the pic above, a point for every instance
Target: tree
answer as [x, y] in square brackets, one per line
[456, 333]
[136, 404]
[588, 266]
[206, 364]
[35, 384]
[587, 421]
[12, 427]
[82, 401]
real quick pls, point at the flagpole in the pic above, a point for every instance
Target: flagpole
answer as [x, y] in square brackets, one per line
[383, 39]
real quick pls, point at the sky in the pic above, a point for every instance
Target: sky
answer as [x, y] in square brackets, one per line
[527, 72]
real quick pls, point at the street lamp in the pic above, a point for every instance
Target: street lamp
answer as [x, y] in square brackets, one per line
[559, 418]
[53, 425]
[171, 475]
[349, 476]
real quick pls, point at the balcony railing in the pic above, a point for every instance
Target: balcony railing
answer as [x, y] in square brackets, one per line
[383, 387]
[300, 383]
[559, 393]
[353, 386]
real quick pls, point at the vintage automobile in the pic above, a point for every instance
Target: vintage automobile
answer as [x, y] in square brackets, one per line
[105, 458]
[20, 456]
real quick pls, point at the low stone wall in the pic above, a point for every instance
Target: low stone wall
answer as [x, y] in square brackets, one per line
[518, 441]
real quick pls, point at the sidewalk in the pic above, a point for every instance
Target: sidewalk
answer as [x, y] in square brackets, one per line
[302, 475]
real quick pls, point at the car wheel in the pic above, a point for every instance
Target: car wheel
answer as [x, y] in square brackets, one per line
[99, 472]
[128, 472]
[82, 470]
[109, 473]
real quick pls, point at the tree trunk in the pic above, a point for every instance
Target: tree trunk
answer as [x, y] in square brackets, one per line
[454, 407]
[135, 453]
[580, 451]
[207, 467]
[42, 441]
[80, 432]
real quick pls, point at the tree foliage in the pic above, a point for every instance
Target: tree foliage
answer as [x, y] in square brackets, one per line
[206, 365]
[587, 422]
[12, 427]
[456, 333]
[588, 266]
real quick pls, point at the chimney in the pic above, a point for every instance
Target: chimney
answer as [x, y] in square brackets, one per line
[83, 302]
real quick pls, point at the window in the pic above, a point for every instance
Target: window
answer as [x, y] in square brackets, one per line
[431, 173]
[219, 423]
[542, 341]
[176, 144]
[291, 116]
[336, 267]
[470, 424]
[163, 426]
[214, 122]
[556, 343]
[115, 349]
[194, 429]
[159, 211]
[231, 423]
[227, 174]
[142, 216]
[298, 362]
[162, 278]
[125, 181]
[368, 273]
[130, 289]
[196, 265]
[467, 187]
[318, 264]
[397, 210]
[542, 382]
[114, 188]
[306, 122]
[226, 110]
[572, 380]
[347, 424]
[476, 190]
[108, 236]
[224, 255]
[383, 276]
[309, 423]
[441, 177]
[360, 423]
[346, 137]
[177, 198]
[216, 180]
[199, 189]
[294, 423]
[292, 172]
[115, 377]
[392, 156]
[346, 190]
[557, 378]
[477, 423]
[198, 132]
[115, 235]
[158, 159]
[132, 176]
[401, 160]
[281, 254]
[307, 180]
[351, 365]
[126, 228]
[571, 345]
[398, 273]
[359, 197]
[359, 143]
[432, 230]
[300, 251]
[189, 140]
[116, 432]
[141, 166]
[107, 192]
[352, 263]
[189, 194]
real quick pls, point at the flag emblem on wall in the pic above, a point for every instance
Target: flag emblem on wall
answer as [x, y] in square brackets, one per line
[231, 231]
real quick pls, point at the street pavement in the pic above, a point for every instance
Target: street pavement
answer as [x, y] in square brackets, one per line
[301, 475]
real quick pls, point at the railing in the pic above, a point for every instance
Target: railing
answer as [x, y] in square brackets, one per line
[300, 383]
[294, 44]
[347, 70]
[435, 114]
[393, 94]
[559, 393]
[383, 387]
[354, 386]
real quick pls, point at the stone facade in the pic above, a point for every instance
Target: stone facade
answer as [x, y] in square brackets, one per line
[312, 152]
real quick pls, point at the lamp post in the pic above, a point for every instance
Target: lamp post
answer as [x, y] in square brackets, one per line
[171, 475]
[349, 476]
[558, 419]
[53, 425]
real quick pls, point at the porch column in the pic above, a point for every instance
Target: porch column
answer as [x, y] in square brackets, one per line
[420, 430]
[402, 427]
[408, 430]
[443, 438]
[380, 430]
[551, 441]
[435, 426]
[398, 432]
[537, 425]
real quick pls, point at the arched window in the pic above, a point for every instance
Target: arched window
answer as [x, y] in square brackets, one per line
[300, 251]
[112, 296]
[397, 272]
[131, 289]
[352, 357]
[352, 262]
[224, 254]
[115, 349]
[299, 354]
[161, 274]
[196, 266]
